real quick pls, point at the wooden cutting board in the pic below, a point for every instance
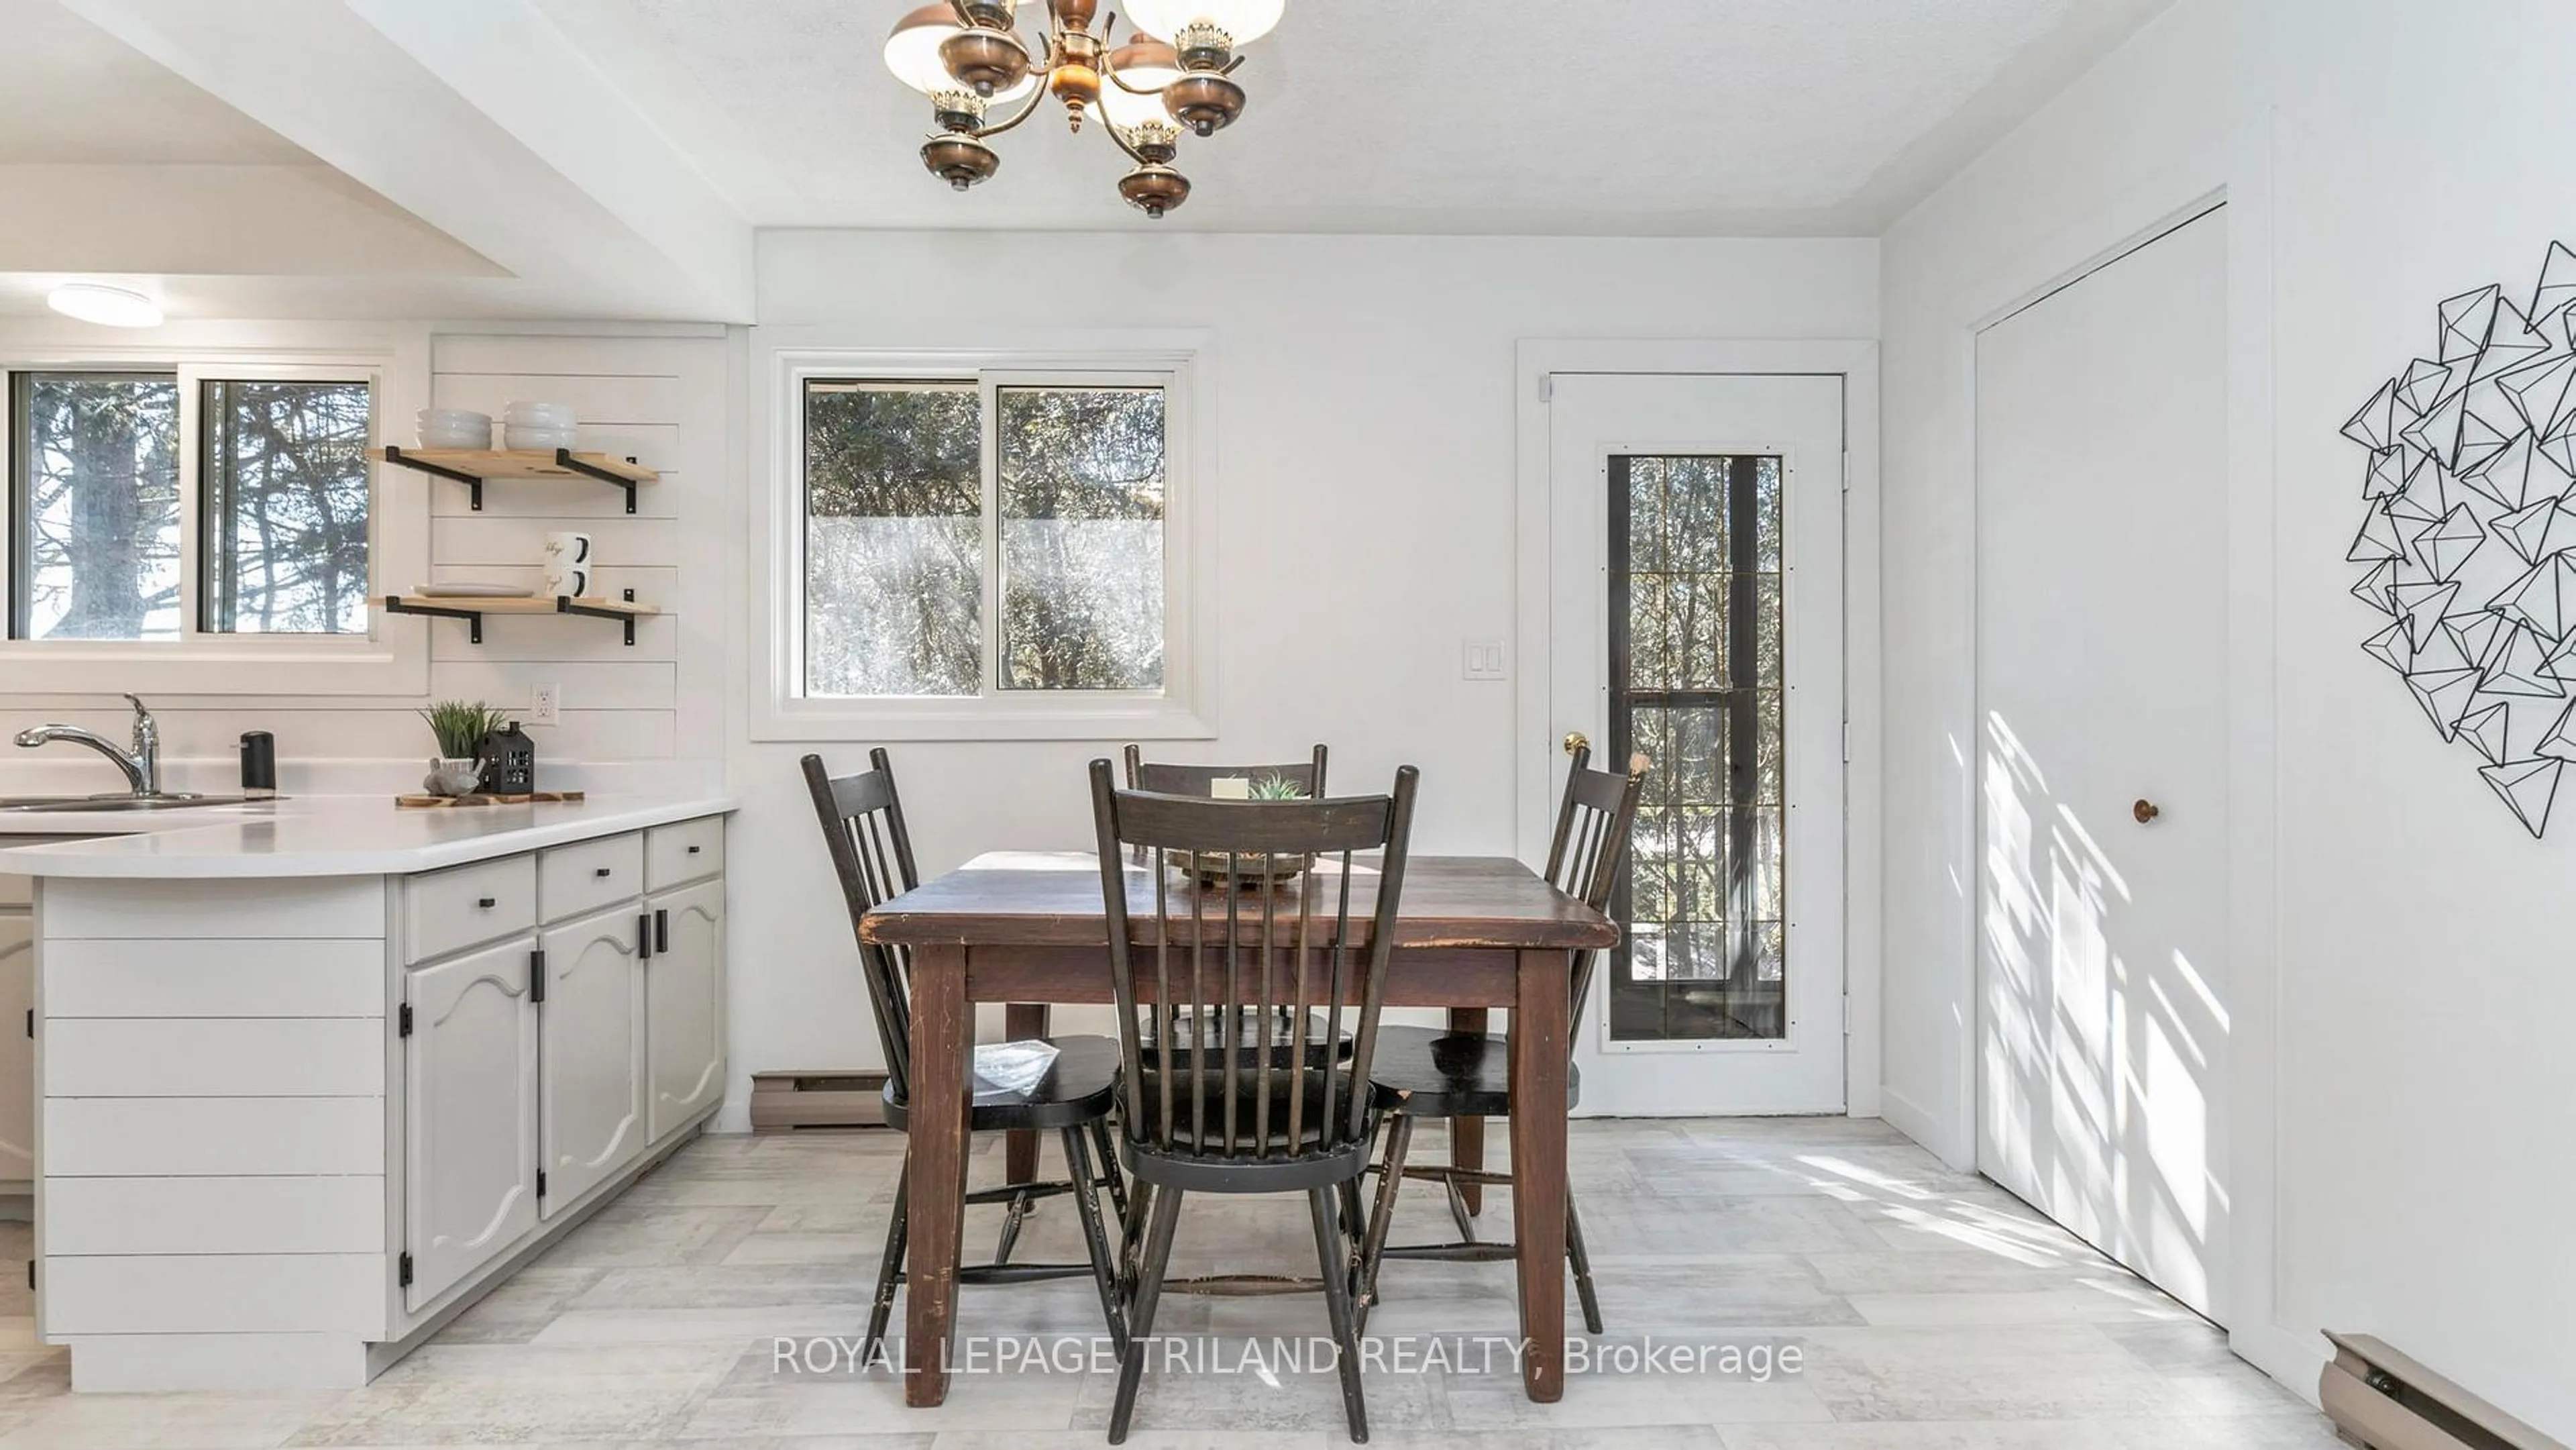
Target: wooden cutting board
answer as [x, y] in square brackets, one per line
[447, 802]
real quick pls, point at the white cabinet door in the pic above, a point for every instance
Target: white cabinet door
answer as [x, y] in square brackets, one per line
[469, 1113]
[684, 1003]
[591, 1052]
[17, 1049]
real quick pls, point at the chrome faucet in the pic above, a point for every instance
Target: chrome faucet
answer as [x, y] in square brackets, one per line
[141, 764]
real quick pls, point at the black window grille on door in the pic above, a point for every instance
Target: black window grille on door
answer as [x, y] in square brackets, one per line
[1696, 685]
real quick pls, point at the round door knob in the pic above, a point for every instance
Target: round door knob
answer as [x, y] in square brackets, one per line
[2146, 810]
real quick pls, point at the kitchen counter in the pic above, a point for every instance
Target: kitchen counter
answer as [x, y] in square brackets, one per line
[319, 836]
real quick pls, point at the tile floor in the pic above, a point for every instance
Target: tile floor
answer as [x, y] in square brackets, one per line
[1928, 1309]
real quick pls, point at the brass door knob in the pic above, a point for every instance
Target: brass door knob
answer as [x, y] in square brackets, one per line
[2145, 810]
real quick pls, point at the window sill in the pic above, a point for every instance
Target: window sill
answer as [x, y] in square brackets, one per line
[927, 720]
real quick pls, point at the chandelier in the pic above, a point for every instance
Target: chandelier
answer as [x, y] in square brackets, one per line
[970, 59]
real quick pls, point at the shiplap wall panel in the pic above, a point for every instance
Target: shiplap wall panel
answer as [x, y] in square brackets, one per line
[593, 399]
[247, 1057]
[155, 1137]
[258, 978]
[531, 639]
[215, 1215]
[614, 540]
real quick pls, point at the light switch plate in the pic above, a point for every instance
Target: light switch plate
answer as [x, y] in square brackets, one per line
[1483, 659]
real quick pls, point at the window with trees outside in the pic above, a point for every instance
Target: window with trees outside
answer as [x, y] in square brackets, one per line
[134, 518]
[994, 537]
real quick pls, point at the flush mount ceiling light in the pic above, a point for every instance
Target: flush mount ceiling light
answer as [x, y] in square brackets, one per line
[968, 54]
[107, 306]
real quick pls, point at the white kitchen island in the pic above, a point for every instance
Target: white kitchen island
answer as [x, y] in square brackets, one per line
[311, 1076]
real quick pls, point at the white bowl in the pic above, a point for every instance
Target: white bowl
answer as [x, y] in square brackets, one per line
[541, 437]
[460, 416]
[558, 414]
[477, 440]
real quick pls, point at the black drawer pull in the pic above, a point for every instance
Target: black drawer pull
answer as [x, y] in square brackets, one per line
[602, 873]
[693, 850]
[487, 902]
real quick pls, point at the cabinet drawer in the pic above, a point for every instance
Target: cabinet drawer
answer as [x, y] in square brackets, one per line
[587, 875]
[17, 890]
[446, 910]
[685, 852]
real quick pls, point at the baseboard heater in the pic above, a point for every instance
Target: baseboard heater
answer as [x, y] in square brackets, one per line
[2385, 1400]
[785, 1101]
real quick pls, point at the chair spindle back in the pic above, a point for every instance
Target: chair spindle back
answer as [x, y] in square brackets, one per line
[862, 818]
[1593, 824]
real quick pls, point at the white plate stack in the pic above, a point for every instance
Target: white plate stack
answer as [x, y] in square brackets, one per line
[540, 425]
[453, 428]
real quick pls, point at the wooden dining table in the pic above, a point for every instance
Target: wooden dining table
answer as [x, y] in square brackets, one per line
[1027, 929]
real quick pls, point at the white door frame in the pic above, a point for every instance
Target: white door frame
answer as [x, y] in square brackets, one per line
[1856, 363]
[2241, 177]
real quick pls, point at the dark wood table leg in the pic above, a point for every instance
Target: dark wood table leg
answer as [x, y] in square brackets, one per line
[1467, 1135]
[1538, 1039]
[943, 1035]
[1022, 1020]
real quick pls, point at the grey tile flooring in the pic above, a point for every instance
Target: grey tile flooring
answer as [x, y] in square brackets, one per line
[1925, 1309]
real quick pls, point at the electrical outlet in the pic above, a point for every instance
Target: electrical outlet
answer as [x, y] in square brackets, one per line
[542, 706]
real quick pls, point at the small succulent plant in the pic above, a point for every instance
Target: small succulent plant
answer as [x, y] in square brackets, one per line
[460, 726]
[1276, 788]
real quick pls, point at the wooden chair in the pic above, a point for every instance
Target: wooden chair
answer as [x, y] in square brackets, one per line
[1422, 1072]
[1166, 778]
[863, 825]
[1271, 933]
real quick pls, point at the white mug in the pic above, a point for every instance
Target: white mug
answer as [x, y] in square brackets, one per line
[567, 563]
[572, 579]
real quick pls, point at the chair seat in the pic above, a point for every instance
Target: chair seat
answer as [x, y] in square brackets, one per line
[1205, 1030]
[1081, 1086]
[1424, 1072]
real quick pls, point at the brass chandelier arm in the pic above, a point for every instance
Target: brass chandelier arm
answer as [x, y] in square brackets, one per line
[1037, 97]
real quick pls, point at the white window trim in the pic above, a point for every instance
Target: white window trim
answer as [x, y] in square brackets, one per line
[391, 660]
[1184, 709]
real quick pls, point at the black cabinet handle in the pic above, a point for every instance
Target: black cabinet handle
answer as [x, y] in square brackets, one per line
[601, 873]
[661, 930]
[487, 902]
[644, 936]
[693, 850]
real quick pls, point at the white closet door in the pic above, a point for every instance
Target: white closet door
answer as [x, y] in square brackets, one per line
[2102, 637]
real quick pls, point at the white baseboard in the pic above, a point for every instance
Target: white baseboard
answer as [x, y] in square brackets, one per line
[2292, 1358]
[1911, 1118]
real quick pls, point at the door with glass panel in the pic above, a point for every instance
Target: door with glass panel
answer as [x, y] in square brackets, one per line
[1696, 599]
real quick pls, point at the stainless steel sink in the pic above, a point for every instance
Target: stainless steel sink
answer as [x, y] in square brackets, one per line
[35, 803]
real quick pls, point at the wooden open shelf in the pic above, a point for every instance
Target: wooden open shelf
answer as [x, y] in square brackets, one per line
[471, 609]
[472, 466]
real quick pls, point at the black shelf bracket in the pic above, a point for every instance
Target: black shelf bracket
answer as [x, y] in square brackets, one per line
[564, 459]
[395, 604]
[566, 604]
[473, 485]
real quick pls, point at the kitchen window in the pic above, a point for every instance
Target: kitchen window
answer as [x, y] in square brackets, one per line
[204, 525]
[100, 510]
[989, 551]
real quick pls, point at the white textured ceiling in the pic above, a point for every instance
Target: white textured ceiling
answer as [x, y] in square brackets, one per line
[1548, 116]
[76, 95]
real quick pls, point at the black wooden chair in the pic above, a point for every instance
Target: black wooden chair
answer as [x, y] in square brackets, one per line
[1422, 1072]
[862, 820]
[1270, 932]
[1169, 778]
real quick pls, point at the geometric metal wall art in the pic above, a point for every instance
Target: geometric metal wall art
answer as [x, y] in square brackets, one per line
[2467, 544]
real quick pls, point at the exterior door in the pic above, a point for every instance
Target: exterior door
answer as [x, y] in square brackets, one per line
[1696, 598]
[2101, 650]
[469, 1114]
[591, 1052]
[684, 1004]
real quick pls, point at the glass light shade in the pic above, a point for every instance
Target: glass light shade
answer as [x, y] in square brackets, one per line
[1146, 64]
[106, 306]
[1127, 110]
[912, 52]
[1245, 20]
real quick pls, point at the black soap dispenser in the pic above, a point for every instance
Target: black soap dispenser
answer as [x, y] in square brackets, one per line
[509, 762]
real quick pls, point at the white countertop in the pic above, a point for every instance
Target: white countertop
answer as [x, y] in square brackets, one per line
[320, 835]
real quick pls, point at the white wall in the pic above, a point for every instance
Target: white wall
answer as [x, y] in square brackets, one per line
[1365, 491]
[2397, 939]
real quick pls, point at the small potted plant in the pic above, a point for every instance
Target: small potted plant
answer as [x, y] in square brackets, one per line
[1210, 866]
[459, 728]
